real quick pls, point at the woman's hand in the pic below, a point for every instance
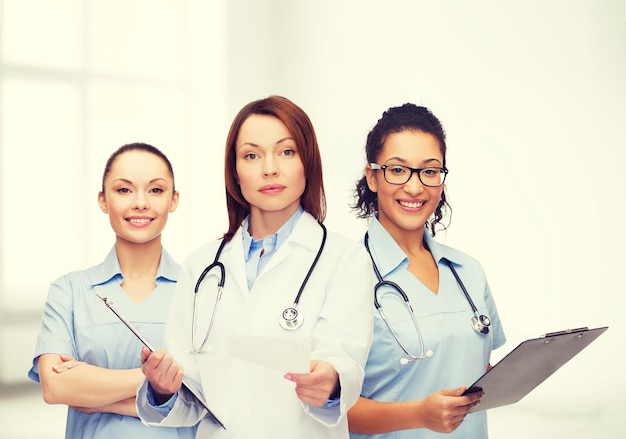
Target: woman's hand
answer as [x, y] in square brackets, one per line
[445, 410]
[316, 387]
[68, 362]
[165, 375]
[442, 411]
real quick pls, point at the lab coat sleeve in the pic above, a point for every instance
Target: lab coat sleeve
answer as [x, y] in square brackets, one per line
[343, 334]
[184, 411]
[177, 333]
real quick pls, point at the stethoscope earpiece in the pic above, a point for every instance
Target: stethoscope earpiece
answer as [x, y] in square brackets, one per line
[427, 354]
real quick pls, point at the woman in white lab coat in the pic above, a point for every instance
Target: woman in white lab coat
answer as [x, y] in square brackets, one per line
[276, 206]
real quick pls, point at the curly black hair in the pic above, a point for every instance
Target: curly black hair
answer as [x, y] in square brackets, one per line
[407, 117]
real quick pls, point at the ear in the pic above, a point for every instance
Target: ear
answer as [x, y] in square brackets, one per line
[174, 202]
[370, 176]
[102, 202]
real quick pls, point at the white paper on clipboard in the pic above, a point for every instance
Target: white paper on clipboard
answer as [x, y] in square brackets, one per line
[287, 354]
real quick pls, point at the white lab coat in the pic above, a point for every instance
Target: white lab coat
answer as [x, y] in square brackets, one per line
[255, 401]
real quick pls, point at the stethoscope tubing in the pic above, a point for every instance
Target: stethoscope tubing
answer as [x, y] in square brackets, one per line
[220, 287]
[312, 267]
[290, 318]
[480, 323]
[458, 279]
[381, 283]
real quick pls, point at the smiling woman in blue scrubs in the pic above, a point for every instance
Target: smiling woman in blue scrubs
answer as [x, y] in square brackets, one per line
[421, 358]
[84, 357]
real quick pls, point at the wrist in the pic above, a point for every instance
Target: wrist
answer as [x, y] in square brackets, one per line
[336, 391]
[157, 397]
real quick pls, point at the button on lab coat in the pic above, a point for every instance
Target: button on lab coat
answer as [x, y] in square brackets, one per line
[255, 401]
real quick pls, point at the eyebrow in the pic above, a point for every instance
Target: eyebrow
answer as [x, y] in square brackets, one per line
[154, 180]
[427, 161]
[284, 139]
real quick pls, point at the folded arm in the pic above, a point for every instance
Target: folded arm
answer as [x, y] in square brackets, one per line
[125, 407]
[84, 385]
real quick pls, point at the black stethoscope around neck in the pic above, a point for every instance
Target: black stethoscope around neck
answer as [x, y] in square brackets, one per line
[290, 319]
[480, 322]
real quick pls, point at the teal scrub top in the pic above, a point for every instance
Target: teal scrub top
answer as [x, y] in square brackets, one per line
[76, 322]
[460, 355]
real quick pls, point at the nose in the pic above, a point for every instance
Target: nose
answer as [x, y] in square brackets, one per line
[414, 185]
[141, 201]
[270, 166]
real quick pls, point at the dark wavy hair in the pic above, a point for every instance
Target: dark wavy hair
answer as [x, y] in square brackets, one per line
[299, 125]
[407, 117]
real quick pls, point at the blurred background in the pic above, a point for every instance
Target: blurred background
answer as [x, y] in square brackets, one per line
[531, 93]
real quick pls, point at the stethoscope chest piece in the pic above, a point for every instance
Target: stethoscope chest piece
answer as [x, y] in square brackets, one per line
[481, 324]
[290, 319]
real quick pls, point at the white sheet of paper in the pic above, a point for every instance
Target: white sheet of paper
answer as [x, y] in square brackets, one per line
[287, 354]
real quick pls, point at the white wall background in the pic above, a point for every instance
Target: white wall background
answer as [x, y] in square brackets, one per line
[531, 93]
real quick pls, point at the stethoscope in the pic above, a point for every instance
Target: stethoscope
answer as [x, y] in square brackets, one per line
[290, 318]
[480, 322]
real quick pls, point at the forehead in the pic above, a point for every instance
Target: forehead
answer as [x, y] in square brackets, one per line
[411, 145]
[262, 130]
[139, 164]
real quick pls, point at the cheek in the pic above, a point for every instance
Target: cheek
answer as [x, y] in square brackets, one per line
[295, 174]
[113, 206]
[437, 193]
[299, 175]
[241, 177]
[386, 191]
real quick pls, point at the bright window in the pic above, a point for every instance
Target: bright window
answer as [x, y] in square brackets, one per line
[77, 80]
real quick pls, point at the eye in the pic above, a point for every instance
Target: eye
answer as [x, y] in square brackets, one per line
[289, 152]
[123, 190]
[250, 156]
[156, 190]
[430, 172]
[396, 169]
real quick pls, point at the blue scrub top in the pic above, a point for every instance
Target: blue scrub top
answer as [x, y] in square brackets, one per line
[460, 355]
[75, 322]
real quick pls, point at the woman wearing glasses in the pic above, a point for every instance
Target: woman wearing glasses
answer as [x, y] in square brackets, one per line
[278, 273]
[436, 321]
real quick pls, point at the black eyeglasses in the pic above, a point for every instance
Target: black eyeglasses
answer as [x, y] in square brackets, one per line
[400, 174]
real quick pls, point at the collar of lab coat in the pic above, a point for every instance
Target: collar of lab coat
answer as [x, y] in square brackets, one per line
[306, 234]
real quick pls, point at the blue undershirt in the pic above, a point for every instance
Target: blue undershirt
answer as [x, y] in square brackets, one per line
[259, 251]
